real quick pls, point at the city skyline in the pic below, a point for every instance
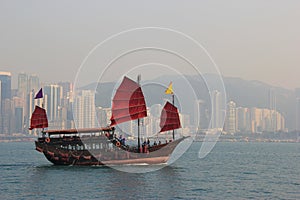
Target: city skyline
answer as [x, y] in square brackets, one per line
[62, 106]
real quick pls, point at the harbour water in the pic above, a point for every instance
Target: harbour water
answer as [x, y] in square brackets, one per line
[230, 171]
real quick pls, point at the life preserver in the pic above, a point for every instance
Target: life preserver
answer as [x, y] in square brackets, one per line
[107, 134]
[47, 140]
[118, 144]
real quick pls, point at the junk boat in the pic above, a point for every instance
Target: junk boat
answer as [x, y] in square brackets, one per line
[101, 146]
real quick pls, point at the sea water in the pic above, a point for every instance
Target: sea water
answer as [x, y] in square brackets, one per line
[230, 171]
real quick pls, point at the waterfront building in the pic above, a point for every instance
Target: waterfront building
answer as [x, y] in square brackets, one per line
[243, 119]
[22, 85]
[200, 115]
[53, 97]
[5, 102]
[33, 83]
[103, 116]
[216, 119]
[84, 110]
[230, 121]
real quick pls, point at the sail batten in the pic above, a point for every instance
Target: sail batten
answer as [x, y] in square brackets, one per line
[128, 103]
[169, 118]
[38, 118]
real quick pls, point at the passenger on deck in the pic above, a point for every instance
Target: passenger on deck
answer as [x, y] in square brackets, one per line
[148, 142]
[123, 141]
[154, 143]
[144, 145]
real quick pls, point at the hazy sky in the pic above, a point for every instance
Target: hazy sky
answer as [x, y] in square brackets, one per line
[251, 39]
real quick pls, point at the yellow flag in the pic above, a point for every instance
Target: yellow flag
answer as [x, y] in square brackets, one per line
[169, 90]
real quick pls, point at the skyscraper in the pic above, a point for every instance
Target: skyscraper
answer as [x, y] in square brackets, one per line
[33, 83]
[22, 85]
[103, 116]
[272, 106]
[66, 88]
[5, 102]
[197, 114]
[243, 119]
[216, 110]
[256, 120]
[53, 102]
[23, 91]
[84, 109]
[5, 78]
[230, 125]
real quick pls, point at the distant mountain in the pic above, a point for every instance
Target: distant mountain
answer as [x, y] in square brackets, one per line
[245, 93]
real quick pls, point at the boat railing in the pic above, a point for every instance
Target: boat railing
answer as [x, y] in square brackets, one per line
[78, 132]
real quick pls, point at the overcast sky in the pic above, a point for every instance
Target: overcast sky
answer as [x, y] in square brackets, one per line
[251, 39]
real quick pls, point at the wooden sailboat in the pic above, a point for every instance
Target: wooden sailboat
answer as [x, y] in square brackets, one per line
[101, 146]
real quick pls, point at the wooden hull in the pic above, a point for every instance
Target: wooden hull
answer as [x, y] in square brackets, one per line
[56, 153]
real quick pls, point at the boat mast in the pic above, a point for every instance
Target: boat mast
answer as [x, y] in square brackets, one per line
[139, 142]
[173, 102]
[43, 129]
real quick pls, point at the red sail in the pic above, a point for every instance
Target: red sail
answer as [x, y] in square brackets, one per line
[169, 119]
[38, 118]
[128, 103]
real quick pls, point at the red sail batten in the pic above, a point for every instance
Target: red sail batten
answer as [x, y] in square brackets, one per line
[38, 118]
[169, 118]
[128, 103]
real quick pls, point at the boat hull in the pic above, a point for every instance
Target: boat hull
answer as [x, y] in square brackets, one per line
[158, 154]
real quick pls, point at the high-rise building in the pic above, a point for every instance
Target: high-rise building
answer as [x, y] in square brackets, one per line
[5, 102]
[272, 106]
[243, 119]
[256, 120]
[103, 116]
[84, 109]
[19, 120]
[67, 87]
[18, 113]
[5, 78]
[53, 103]
[197, 114]
[216, 119]
[262, 118]
[33, 83]
[23, 91]
[22, 85]
[230, 122]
